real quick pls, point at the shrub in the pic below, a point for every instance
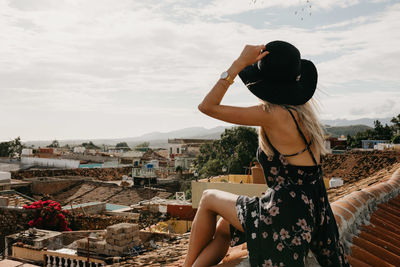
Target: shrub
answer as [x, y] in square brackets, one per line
[48, 215]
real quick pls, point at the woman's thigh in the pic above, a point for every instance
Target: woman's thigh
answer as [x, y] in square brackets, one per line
[222, 203]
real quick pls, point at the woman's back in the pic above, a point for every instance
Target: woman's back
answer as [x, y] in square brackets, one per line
[287, 139]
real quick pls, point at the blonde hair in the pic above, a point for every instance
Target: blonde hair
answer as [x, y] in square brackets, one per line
[307, 117]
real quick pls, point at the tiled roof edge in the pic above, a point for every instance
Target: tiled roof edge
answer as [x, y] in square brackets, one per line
[354, 209]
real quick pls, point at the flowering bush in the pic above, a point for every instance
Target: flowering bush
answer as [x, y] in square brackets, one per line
[48, 215]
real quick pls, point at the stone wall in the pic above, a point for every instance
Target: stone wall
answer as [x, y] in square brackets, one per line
[105, 174]
[13, 220]
[52, 186]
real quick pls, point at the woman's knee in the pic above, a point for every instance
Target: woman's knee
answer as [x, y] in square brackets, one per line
[208, 197]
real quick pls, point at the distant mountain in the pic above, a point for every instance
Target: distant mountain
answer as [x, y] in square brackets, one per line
[337, 131]
[160, 139]
[156, 139]
[191, 132]
[364, 121]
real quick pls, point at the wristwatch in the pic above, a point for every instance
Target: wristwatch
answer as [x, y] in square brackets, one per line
[225, 76]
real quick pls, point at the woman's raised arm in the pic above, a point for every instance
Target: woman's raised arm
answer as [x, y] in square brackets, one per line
[211, 106]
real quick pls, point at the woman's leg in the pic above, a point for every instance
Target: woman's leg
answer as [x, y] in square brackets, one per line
[213, 202]
[216, 250]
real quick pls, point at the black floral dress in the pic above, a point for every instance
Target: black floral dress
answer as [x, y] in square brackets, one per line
[291, 217]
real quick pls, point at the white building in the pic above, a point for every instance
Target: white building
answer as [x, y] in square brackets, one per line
[79, 149]
[27, 152]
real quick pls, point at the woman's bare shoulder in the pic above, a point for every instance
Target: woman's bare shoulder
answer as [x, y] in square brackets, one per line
[279, 117]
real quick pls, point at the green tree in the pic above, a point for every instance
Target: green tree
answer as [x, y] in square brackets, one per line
[16, 147]
[382, 132]
[379, 132]
[123, 145]
[5, 149]
[234, 150]
[396, 139]
[90, 145]
[66, 146]
[142, 146]
[396, 122]
[54, 144]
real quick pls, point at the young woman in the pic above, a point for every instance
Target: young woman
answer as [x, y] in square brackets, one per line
[294, 215]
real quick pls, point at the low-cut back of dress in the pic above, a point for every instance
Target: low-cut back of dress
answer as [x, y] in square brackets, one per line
[291, 217]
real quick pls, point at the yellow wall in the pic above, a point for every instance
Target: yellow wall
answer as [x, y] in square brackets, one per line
[172, 226]
[28, 254]
[326, 182]
[180, 226]
[239, 189]
[231, 178]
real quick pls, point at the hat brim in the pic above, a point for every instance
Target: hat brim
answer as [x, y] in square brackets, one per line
[278, 92]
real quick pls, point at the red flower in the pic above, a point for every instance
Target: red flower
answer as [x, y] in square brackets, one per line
[49, 215]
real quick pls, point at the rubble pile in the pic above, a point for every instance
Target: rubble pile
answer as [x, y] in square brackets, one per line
[96, 222]
[118, 240]
[104, 174]
[356, 165]
[162, 254]
[347, 188]
[148, 218]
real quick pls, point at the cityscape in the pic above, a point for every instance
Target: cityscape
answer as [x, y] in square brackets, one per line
[105, 153]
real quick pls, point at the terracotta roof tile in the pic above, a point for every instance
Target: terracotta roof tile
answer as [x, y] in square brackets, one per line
[362, 196]
[339, 209]
[377, 250]
[356, 263]
[375, 190]
[377, 242]
[383, 222]
[367, 257]
[354, 201]
[382, 233]
[380, 241]
[347, 205]
[392, 209]
[387, 216]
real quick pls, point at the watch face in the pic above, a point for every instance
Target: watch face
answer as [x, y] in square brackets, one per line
[224, 75]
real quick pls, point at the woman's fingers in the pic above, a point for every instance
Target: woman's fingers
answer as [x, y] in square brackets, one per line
[261, 47]
[252, 54]
[263, 54]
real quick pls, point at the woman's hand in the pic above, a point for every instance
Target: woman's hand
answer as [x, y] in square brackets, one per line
[251, 54]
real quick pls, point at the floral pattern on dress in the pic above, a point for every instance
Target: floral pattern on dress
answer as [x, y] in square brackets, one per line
[292, 217]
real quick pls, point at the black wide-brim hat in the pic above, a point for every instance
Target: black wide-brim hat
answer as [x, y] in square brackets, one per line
[281, 77]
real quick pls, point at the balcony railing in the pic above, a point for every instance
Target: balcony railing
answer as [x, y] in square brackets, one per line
[56, 259]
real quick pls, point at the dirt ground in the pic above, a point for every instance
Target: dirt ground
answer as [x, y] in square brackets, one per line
[357, 165]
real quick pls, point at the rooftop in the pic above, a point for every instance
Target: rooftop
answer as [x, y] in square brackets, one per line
[367, 212]
[368, 225]
[110, 193]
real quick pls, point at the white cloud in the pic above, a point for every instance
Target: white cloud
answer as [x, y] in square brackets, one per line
[221, 8]
[135, 59]
[375, 104]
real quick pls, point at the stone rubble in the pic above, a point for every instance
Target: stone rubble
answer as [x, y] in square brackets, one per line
[117, 241]
[166, 253]
[356, 165]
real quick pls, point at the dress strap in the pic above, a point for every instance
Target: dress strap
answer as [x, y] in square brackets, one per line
[269, 142]
[302, 135]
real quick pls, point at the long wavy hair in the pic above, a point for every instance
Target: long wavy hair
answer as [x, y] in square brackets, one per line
[307, 118]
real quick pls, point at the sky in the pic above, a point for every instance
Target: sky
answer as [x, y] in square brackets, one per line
[86, 69]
